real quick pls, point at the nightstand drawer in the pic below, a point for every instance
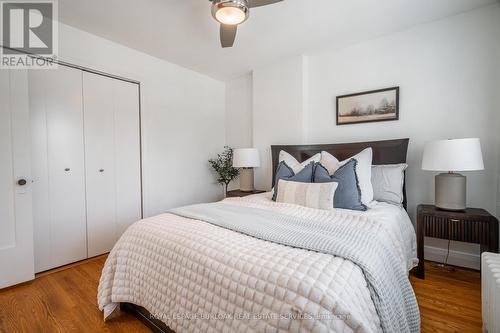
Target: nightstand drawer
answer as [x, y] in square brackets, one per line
[464, 230]
[435, 226]
[469, 231]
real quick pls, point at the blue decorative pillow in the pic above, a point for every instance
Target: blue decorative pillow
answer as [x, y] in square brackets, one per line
[285, 172]
[348, 193]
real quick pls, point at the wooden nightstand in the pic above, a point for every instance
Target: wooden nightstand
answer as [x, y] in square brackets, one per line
[473, 225]
[238, 193]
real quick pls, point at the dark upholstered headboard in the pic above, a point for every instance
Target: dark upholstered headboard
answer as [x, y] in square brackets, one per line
[384, 152]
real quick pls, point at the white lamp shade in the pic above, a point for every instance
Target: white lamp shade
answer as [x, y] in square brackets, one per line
[453, 155]
[246, 158]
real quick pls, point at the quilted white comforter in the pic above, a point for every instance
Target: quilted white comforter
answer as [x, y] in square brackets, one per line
[197, 277]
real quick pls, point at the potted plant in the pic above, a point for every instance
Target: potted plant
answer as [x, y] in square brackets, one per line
[223, 166]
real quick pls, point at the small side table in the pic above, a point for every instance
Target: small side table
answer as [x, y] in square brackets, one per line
[473, 225]
[238, 193]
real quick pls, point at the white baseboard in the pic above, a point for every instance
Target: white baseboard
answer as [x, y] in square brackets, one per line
[456, 258]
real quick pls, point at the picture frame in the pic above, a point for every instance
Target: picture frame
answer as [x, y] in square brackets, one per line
[368, 106]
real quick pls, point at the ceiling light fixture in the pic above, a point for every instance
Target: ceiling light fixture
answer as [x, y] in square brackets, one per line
[230, 12]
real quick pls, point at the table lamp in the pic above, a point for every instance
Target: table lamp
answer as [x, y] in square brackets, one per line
[450, 156]
[246, 159]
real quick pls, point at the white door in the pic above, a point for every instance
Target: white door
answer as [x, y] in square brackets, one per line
[112, 158]
[16, 226]
[58, 167]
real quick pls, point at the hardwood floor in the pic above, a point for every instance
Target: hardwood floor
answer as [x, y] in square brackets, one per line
[65, 301]
[450, 301]
[62, 301]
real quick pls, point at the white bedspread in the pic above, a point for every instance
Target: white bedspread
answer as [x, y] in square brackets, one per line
[197, 277]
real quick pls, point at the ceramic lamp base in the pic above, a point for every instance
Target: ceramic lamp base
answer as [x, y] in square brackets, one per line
[246, 180]
[451, 191]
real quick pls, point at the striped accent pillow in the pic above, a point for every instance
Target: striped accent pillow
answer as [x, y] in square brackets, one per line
[312, 195]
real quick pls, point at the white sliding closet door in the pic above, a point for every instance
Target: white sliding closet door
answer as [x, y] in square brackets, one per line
[58, 167]
[112, 154]
[100, 163]
[16, 225]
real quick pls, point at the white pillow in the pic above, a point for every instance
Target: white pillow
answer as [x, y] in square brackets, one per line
[388, 182]
[312, 195]
[294, 164]
[363, 170]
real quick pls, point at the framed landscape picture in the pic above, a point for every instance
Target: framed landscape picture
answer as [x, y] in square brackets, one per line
[368, 106]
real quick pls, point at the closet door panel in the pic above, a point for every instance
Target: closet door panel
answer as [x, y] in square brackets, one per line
[59, 188]
[100, 163]
[127, 154]
[40, 172]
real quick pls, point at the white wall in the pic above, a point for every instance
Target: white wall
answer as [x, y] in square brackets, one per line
[183, 118]
[278, 111]
[239, 112]
[497, 111]
[447, 71]
[448, 88]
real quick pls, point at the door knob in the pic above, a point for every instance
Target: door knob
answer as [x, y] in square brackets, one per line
[22, 182]
[101, 170]
[67, 169]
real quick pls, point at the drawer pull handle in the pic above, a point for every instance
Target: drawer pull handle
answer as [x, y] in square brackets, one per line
[454, 220]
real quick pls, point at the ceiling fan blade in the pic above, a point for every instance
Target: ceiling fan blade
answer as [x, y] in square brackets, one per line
[227, 35]
[259, 3]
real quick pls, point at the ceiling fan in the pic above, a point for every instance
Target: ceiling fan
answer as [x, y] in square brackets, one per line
[231, 13]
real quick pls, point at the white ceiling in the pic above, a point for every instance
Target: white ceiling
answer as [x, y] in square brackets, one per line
[183, 31]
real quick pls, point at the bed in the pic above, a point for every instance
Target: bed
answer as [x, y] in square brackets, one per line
[184, 274]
